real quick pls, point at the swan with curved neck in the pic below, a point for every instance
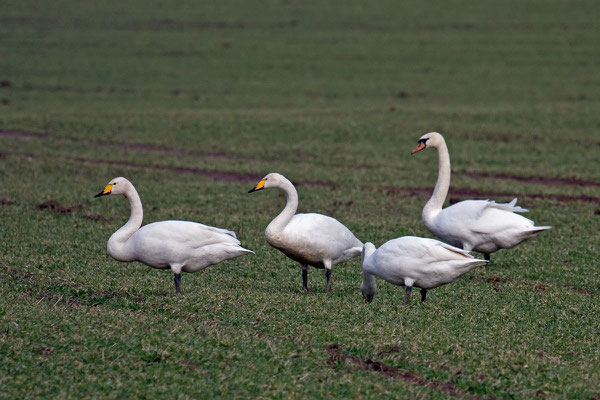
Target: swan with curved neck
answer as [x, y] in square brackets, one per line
[310, 239]
[480, 225]
[176, 245]
[414, 262]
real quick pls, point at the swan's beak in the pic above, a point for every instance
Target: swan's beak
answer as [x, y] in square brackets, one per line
[420, 147]
[106, 191]
[258, 186]
[368, 299]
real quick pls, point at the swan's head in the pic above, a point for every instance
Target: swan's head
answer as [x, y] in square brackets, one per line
[118, 185]
[272, 180]
[368, 290]
[431, 139]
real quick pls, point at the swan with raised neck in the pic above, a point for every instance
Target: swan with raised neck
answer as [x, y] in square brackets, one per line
[481, 225]
[179, 245]
[310, 239]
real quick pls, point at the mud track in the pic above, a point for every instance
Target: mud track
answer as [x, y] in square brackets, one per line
[455, 194]
[543, 180]
[448, 388]
[142, 147]
[458, 194]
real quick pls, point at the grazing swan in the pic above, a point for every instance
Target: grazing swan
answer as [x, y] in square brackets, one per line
[178, 245]
[413, 261]
[480, 225]
[310, 239]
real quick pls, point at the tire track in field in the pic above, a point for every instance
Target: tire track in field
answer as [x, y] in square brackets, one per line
[542, 180]
[449, 388]
[216, 175]
[142, 147]
[457, 194]
[151, 148]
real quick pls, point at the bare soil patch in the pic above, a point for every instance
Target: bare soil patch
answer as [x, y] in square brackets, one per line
[54, 205]
[579, 290]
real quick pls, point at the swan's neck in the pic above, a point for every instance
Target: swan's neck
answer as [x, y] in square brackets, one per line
[116, 244]
[369, 285]
[435, 203]
[291, 205]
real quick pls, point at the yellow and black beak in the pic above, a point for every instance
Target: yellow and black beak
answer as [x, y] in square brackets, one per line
[420, 147]
[106, 191]
[258, 186]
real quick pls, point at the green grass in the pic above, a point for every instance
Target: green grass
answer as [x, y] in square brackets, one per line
[318, 91]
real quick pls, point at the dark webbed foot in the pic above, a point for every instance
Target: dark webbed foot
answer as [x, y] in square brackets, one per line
[407, 295]
[328, 276]
[177, 279]
[423, 295]
[486, 256]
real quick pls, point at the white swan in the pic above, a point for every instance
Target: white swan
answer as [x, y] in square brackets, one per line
[480, 225]
[310, 239]
[178, 245]
[413, 261]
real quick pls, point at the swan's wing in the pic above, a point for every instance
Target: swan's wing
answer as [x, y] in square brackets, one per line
[313, 238]
[427, 262]
[187, 233]
[483, 217]
[511, 207]
[218, 230]
[162, 244]
[319, 228]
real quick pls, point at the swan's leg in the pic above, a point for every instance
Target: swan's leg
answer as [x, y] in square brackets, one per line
[328, 266]
[304, 277]
[423, 295]
[177, 279]
[407, 295]
[486, 256]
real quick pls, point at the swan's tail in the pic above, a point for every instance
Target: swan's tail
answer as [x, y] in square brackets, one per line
[464, 266]
[352, 252]
[529, 233]
[477, 262]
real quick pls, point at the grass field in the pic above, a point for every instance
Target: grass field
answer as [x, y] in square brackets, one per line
[195, 102]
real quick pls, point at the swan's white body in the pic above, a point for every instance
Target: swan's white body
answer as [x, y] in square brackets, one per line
[176, 245]
[314, 239]
[413, 261]
[310, 239]
[480, 225]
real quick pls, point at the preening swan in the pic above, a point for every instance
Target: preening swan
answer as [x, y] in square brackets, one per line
[178, 245]
[413, 261]
[309, 239]
[480, 225]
